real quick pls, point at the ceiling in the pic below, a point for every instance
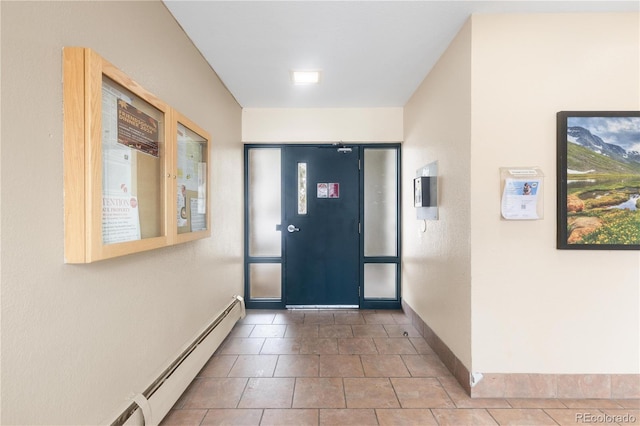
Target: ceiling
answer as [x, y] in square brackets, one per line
[371, 53]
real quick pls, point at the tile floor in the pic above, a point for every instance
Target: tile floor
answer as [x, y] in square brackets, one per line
[354, 367]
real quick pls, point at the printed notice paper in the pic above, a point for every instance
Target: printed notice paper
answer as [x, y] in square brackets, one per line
[120, 221]
[198, 220]
[520, 198]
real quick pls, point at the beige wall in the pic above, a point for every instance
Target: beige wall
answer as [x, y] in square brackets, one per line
[499, 293]
[536, 309]
[287, 125]
[436, 269]
[77, 340]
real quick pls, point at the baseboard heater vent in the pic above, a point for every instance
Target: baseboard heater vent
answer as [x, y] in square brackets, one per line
[150, 407]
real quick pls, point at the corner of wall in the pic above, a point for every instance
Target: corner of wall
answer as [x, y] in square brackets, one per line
[446, 355]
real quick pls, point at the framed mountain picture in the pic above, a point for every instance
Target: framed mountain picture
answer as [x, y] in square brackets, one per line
[598, 180]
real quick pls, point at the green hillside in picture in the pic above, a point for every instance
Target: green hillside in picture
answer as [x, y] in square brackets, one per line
[583, 159]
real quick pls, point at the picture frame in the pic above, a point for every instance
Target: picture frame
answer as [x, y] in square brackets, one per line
[598, 179]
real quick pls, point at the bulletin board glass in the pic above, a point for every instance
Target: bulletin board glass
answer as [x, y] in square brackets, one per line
[132, 166]
[192, 190]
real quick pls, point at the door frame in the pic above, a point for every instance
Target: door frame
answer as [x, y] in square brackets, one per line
[280, 303]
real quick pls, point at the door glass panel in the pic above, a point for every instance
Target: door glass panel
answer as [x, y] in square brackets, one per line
[302, 188]
[265, 280]
[264, 202]
[380, 280]
[380, 202]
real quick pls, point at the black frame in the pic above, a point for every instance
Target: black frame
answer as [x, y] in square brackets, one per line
[393, 303]
[581, 158]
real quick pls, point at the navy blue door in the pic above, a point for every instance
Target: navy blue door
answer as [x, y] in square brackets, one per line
[321, 226]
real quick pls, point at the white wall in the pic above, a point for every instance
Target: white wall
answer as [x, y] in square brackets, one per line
[288, 125]
[537, 309]
[436, 269]
[77, 340]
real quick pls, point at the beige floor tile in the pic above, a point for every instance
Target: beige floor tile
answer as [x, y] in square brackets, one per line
[379, 318]
[293, 417]
[628, 403]
[218, 366]
[590, 403]
[369, 330]
[268, 330]
[312, 345]
[394, 345]
[421, 393]
[289, 318]
[357, 346]
[319, 359]
[281, 346]
[341, 366]
[399, 330]
[406, 417]
[271, 392]
[183, 418]
[425, 366]
[349, 318]
[348, 416]
[384, 366]
[241, 346]
[535, 403]
[242, 330]
[576, 416]
[254, 366]
[297, 366]
[335, 331]
[321, 392]
[221, 416]
[623, 416]
[301, 330]
[370, 393]
[214, 393]
[458, 417]
[521, 416]
[319, 318]
[258, 317]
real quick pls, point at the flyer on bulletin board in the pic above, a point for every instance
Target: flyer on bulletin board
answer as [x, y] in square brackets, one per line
[120, 218]
[520, 198]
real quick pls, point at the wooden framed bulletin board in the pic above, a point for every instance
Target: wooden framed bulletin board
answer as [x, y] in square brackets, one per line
[135, 170]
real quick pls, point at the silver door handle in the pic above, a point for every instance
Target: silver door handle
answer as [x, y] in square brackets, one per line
[292, 228]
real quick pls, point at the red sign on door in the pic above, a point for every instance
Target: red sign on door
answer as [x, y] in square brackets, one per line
[334, 190]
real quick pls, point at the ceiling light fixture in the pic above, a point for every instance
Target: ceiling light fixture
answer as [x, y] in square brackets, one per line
[305, 77]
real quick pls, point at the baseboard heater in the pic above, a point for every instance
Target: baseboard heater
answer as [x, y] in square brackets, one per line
[150, 406]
